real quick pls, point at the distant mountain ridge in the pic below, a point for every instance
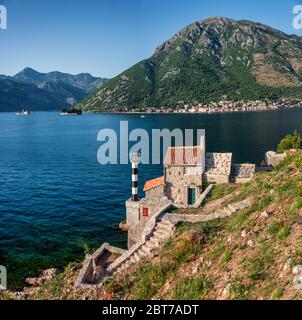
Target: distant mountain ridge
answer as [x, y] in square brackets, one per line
[45, 91]
[207, 61]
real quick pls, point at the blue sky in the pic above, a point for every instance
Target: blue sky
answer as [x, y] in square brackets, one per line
[105, 37]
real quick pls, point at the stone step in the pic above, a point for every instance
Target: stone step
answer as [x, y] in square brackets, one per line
[150, 245]
[142, 254]
[135, 258]
[228, 211]
[155, 241]
[161, 234]
[147, 250]
[166, 222]
[164, 228]
[165, 225]
[219, 212]
[232, 207]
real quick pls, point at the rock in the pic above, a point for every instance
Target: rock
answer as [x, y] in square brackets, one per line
[46, 275]
[195, 270]
[297, 283]
[226, 292]
[123, 226]
[286, 267]
[50, 273]
[35, 282]
[298, 219]
[244, 234]
[250, 243]
[266, 214]
[17, 295]
[297, 269]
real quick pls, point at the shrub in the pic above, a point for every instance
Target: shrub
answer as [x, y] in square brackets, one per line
[290, 141]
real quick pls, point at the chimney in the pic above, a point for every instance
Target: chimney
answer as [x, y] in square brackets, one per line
[134, 162]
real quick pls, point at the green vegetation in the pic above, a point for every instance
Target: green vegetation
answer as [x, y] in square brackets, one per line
[258, 266]
[291, 141]
[191, 288]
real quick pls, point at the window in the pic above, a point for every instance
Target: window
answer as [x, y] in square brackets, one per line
[145, 212]
[186, 170]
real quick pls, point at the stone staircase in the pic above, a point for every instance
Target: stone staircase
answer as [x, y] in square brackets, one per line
[162, 232]
[234, 207]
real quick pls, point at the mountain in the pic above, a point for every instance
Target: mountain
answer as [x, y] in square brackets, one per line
[45, 91]
[83, 81]
[15, 96]
[206, 61]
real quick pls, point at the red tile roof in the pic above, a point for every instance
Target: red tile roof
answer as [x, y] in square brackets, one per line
[184, 156]
[151, 184]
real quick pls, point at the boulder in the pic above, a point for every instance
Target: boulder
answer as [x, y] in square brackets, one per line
[297, 269]
[46, 275]
[266, 214]
[297, 283]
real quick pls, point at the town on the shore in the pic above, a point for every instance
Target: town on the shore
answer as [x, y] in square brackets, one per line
[224, 106]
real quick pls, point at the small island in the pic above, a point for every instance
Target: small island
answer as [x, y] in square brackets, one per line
[71, 112]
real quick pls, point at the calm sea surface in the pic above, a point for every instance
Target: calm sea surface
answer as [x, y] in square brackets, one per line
[56, 199]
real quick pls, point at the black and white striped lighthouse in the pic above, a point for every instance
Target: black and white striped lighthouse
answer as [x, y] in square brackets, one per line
[134, 162]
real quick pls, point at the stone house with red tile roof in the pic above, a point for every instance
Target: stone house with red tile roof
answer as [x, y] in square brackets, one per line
[187, 171]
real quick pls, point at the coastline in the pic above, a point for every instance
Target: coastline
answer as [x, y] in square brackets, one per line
[192, 113]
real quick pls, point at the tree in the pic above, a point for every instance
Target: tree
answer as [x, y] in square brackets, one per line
[290, 141]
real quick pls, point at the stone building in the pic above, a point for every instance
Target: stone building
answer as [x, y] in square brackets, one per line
[187, 172]
[183, 171]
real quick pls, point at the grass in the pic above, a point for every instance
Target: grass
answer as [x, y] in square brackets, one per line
[227, 257]
[191, 288]
[239, 289]
[278, 293]
[151, 279]
[220, 191]
[257, 267]
[237, 221]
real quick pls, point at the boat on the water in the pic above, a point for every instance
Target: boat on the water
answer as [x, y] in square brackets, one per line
[24, 112]
[71, 112]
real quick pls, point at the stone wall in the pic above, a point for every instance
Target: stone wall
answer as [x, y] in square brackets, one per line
[177, 184]
[132, 212]
[153, 205]
[218, 168]
[242, 173]
[157, 192]
[135, 233]
[87, 273]
[217, 179]
[273, 159]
